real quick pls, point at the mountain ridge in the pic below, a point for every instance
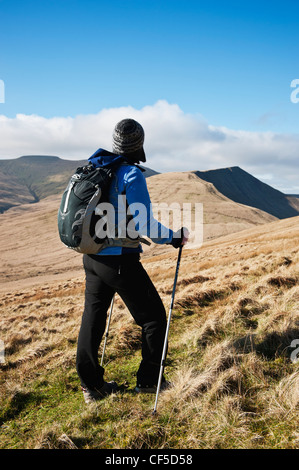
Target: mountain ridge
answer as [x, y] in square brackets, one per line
[244, 188]
[31, 178]
[34, 177]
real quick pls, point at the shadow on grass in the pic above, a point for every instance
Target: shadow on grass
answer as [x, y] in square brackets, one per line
[271, 345]
[19, 402]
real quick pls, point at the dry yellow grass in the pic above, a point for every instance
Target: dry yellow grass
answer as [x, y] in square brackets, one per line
[234, 385]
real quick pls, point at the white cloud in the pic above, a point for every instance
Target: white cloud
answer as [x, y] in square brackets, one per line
[175, 141]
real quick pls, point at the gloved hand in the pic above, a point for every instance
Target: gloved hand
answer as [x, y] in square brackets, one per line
[180, 237]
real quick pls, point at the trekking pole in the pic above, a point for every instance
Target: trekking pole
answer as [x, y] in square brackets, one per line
[167, 329]
[107, 331]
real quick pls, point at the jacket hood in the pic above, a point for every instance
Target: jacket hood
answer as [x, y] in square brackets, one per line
[104, 158]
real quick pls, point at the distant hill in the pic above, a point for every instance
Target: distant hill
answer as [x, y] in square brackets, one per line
[233, 200]
[40, 244]
[221, 215]
[242, 187]
[31, 178]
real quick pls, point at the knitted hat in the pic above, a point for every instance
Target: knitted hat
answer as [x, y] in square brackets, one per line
[128, 139]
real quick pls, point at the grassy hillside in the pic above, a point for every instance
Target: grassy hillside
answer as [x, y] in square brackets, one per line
[37, 177]
[221, 215]
[234, 383]
[31, 250]
[31, 178]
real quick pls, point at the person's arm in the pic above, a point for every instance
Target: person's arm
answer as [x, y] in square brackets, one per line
[140, 206]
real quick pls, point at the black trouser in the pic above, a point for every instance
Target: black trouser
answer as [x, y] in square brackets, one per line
[125, 275]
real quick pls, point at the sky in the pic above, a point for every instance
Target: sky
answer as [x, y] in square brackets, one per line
[209, 81]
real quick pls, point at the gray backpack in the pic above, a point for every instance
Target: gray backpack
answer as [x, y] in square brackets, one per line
[76, 216]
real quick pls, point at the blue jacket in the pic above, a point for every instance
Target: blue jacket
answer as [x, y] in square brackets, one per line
[130, 181]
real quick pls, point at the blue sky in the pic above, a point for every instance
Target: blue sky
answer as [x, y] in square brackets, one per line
[228, 61]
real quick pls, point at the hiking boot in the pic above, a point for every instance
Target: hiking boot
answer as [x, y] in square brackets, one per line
[91, 396]
[152, 388]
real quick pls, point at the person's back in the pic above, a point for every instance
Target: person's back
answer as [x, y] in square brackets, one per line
[117, 268]
[128, 196]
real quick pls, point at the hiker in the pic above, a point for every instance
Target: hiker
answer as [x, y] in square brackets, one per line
[117, 269]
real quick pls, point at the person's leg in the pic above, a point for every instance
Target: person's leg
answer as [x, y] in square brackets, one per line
[125, 275]
[144, 303]
[98, 297]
